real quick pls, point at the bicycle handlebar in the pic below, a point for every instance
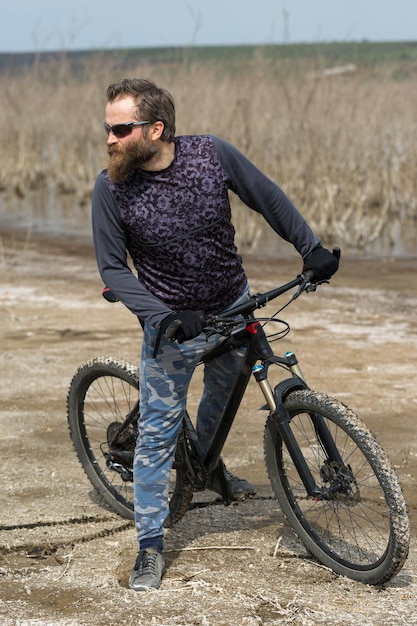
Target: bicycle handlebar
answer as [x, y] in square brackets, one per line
[256, 301]
[259, 300]
[304, 282]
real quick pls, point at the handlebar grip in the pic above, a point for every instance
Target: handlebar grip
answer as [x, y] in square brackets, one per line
[108, 295]
[309, 275]
[171, 331]
[337, 252]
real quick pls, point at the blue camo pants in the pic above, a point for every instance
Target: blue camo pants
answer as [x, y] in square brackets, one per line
[164, 383]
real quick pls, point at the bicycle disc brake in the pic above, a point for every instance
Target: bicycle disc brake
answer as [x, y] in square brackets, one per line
[340, 483]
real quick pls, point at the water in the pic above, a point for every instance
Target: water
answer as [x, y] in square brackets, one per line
[48, 214]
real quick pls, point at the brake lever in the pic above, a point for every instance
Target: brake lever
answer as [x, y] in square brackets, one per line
[313, 286]
[218, 326]
[305, 285]
[209, 332]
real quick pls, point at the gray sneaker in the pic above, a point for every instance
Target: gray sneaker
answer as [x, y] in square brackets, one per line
[148, 571]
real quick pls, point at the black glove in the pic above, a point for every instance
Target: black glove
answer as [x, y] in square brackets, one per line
[323, 262]
[191, 324]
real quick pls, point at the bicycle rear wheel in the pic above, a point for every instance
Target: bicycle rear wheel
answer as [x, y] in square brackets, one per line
[360, 527]
[103, 392]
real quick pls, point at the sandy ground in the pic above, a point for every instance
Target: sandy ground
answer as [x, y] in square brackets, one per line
[65, 559]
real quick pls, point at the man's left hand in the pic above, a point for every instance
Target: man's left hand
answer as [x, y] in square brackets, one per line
[323, 263]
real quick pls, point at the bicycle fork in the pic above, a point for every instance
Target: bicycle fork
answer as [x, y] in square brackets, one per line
[282, 420]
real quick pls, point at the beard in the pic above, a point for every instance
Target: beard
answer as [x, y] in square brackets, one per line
[125, 159]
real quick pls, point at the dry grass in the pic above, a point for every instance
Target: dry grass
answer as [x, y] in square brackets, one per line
[344, 147]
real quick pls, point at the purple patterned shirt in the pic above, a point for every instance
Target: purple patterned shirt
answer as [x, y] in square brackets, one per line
[176, 226]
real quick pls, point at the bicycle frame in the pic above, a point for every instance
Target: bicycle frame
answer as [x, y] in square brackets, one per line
[257, 347]
[256, 361]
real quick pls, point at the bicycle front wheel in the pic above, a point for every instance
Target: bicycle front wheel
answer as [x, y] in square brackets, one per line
[359, 526]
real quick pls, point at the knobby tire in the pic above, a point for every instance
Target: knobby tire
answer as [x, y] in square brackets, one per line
[362, 529]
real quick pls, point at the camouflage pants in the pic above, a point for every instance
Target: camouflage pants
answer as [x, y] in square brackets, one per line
[164, 383]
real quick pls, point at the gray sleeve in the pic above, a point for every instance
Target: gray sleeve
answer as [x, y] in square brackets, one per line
[261, 194]
[111, 254]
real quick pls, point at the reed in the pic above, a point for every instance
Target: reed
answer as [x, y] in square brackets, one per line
[343, 146]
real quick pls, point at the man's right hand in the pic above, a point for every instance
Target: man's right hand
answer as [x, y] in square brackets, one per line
[185, 325]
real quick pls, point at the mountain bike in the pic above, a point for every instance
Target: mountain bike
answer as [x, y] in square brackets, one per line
[334, 483]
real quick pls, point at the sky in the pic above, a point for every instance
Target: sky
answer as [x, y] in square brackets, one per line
[42, 25]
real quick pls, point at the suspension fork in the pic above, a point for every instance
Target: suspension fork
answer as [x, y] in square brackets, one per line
[321, 429]
[282, 421]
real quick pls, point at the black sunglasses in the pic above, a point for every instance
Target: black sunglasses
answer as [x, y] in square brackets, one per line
[122, 130]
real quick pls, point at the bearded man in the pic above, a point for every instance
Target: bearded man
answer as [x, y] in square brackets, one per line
[164, 201]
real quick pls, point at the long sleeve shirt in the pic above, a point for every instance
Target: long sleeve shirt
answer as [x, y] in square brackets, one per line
[176, 226]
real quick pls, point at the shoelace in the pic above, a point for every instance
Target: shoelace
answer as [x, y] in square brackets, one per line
[145, 563]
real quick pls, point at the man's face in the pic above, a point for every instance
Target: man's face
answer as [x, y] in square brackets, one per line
[132, 151]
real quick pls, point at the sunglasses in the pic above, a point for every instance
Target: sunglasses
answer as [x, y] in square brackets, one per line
[122, 130]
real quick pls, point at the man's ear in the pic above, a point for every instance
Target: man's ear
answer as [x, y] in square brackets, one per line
[156, 130]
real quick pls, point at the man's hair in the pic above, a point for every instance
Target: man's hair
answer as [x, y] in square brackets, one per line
[152, 102]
